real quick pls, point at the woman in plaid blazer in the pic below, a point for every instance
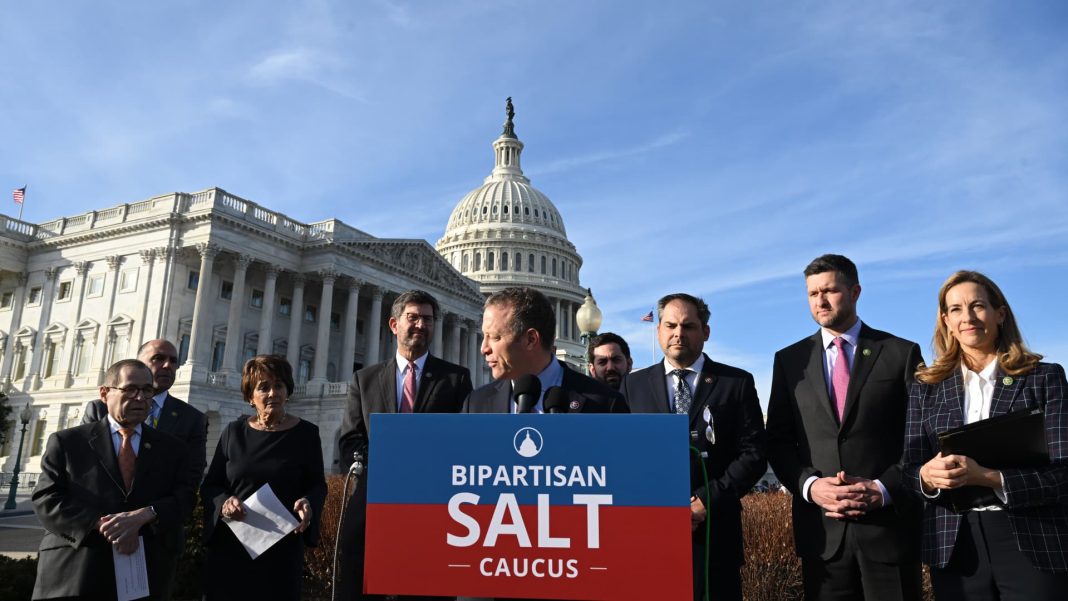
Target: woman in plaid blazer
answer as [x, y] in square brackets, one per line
[1016, 545]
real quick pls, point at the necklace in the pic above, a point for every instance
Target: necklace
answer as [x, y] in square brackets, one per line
[269, 427]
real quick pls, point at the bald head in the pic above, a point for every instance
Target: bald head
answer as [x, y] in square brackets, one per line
[161, 357]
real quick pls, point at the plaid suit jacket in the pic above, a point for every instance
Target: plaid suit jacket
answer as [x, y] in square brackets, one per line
[1037, 497]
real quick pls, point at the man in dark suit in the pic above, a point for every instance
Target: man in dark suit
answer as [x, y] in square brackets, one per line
[726, 426]
[167, 413]
[518, 326]
[411, 382]
[836, 422]
[608, 359]
[105, 484]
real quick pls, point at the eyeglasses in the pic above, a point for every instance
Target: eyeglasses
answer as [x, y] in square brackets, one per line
[131, 392]
[416, 318]
[710, 434]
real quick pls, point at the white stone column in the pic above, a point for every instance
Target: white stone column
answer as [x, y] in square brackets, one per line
[165, 327]
[264, 346]
[374, 328]
[13, 327]
[233, 320]
[322, 340]
[472, 350]
[436, 345]
[114, 265]
[559, 320]
[80, 269]
[296, 319]
[148, 259]
[199, 335]
[453, 341]
[348, 341]
[33, 381]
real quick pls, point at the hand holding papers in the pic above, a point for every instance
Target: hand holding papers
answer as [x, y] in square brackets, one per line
[266, 522]
[131, 573]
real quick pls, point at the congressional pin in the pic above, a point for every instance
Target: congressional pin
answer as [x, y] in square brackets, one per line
[1007, 380]
[427, 374]
[708, 379]
[148, 445]
[573, 406]
[174, 414]
[866, 352]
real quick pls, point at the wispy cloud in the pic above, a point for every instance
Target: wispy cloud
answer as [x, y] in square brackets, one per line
[574, 162]
[307, 65]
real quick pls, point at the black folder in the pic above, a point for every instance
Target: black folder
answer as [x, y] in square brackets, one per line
[1016, 439]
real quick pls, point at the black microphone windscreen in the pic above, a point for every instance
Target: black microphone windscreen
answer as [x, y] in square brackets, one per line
[555, 400]
[526, 392]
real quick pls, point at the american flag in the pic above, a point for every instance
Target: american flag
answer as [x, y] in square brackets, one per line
[19, 195]
[648, 316]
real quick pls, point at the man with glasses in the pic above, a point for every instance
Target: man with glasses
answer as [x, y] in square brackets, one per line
[107, 488]
[167, 413]
[726, 427]
[412, 381]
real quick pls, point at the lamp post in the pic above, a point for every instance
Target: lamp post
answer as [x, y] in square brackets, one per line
[588, 318]
[24, 417]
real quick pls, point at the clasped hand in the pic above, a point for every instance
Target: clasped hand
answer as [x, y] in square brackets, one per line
[121, 529]
[953, 471]
[843, 496]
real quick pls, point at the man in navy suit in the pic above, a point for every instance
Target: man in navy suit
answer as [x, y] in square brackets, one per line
[167, 413]
[413, 381]
[836, 426]
[518, 326]
[111, 485]
[726, 426]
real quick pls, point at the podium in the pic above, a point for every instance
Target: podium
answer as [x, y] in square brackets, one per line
[580, 507]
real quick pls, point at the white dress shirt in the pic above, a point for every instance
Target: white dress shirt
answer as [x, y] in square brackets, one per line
[692, 379]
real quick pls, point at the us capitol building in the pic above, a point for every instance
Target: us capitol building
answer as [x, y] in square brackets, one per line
[226, 278]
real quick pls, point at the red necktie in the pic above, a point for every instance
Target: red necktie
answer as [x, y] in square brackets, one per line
[840, 378]
[127, 459]
[408, 394]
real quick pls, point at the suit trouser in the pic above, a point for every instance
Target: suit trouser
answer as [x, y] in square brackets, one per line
[852, 575]
[987, 563]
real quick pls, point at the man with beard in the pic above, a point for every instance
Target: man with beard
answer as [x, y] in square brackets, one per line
[609, 359]
[836, 431]
[411, 382]
[726, 427]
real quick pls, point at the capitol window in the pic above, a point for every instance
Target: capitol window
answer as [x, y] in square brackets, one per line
[478, 261]
[35, 296]
[504, 261]
[543, 264]
[65, 290]
[519, 261]
[128, 280]
[194, 280]
[489, 261]
[96, 286]
[285, 306]
[256, 300]
[226, 292]
[530, 263]
[6, 300]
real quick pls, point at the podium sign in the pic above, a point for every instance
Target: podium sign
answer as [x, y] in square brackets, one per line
[545, 506]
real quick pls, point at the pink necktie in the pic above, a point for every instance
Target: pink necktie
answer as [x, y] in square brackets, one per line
[408, 394]
[127, 459]
[840, 378]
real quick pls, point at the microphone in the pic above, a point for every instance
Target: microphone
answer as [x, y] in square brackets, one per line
[356, 469]
[555, 400]
[526, 392]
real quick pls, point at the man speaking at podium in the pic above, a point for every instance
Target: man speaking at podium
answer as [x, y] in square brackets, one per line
[726, 426]
[517, 327]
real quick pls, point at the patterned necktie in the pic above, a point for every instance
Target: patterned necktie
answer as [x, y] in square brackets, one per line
[127, 459]
[408, 394]
[683, 397]
[840, 378]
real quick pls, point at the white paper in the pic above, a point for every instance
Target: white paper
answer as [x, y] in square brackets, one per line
[131, 573]
[266, 522]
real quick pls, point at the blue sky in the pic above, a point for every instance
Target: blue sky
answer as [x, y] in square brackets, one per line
[708, 147]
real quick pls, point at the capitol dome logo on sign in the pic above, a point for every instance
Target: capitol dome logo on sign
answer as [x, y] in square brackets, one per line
[527, 442]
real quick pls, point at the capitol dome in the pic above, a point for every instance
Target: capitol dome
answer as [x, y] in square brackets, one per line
[507, 233]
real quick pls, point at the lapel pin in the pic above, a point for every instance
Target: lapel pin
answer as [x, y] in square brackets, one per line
[573, 406]
[148, 445]
[1007, 380]
[866, 352]
[708, 379]
[427, 374]
[174, 414]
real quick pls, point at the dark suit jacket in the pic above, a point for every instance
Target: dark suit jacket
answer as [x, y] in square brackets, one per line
[179, 419]
[735, 462]
[584, 394]
[805, 440]
[443, 386]
[442, 389]
[80, 482]
[1037, 497]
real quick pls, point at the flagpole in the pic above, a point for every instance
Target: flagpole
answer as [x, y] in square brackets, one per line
[654, 335]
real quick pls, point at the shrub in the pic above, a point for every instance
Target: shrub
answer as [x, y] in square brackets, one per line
[17, 577]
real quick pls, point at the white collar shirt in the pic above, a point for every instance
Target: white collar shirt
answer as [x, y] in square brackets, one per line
[116, 438]
[830, 352]
[691, 377]
[552, 375]
[402, 371]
